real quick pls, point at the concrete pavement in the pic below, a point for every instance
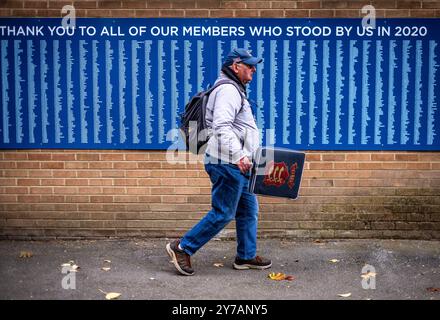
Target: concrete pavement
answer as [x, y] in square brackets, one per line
[140, 269]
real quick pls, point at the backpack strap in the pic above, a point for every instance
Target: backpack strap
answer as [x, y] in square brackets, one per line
[227, 81]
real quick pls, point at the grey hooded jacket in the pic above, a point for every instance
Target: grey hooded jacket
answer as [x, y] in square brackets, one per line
[234, 133]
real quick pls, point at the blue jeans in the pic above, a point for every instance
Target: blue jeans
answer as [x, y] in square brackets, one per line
[230, 199]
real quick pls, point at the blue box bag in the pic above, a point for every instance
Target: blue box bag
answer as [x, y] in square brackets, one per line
[277, 172]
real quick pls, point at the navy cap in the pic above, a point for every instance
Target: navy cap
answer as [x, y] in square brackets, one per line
[241, 55]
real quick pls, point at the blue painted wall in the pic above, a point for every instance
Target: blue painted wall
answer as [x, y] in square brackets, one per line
[119, 90]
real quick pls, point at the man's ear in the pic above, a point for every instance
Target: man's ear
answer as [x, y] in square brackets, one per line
[234, 68]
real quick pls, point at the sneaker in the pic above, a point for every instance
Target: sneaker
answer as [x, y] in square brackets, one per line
[181, 259]
[255, 263]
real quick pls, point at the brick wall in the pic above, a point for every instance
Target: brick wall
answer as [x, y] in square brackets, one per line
[220, 8]
[101, 193]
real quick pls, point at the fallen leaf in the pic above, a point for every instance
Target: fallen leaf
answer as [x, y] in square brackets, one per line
[368, 275]
[280, 276]
[110, 295]
[344, 295]
[275, 276]
[432, 289]
[105, 268]
[218, 265]
[73, 267]
[334, 260]
[26, 254]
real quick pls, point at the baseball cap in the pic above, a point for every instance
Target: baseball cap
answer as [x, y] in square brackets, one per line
[241, 55]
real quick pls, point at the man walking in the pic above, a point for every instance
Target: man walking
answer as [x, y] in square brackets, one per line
[234, 139]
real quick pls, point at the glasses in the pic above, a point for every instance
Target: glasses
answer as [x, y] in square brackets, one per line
[247, 65]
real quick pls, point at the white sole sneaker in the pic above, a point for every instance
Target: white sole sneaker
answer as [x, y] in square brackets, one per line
[174, 259]
[250, 266]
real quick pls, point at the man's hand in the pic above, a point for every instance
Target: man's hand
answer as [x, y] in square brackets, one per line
[244, 164]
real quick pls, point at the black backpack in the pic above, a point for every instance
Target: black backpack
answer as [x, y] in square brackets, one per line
[193, 127]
